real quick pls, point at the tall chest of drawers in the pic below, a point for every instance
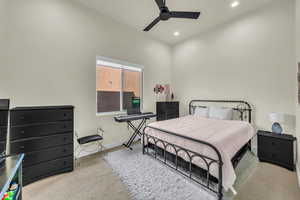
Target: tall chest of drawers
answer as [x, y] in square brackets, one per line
[45, 135]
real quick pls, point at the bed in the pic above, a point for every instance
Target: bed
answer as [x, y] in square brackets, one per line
[203, 149]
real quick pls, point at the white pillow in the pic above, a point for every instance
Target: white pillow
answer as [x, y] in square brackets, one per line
[220, 113]
[201, 112]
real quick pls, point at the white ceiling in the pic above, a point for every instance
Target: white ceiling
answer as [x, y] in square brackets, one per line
[139, 13]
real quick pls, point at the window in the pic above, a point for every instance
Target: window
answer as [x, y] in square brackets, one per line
[116, 84]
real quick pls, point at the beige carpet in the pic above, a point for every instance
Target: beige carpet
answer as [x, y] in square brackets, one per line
[92, 180]
[95, 180]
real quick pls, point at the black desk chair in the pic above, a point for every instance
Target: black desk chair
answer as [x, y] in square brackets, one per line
[82, 141]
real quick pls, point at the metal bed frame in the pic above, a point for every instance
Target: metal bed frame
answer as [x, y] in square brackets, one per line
[190, 170]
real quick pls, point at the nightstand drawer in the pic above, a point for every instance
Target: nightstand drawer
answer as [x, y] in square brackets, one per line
[272, 144]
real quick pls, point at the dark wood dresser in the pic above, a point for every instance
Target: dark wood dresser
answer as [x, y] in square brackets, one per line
[45, 135]
[4, 108]
[167, 110]
[276, 149]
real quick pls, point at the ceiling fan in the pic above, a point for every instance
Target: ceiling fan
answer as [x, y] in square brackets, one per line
[166, 14]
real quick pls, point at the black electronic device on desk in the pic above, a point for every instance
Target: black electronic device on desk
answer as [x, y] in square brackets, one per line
[134, 114]
[4, 108]
[277, 149]
[11, 178]
[135, 106]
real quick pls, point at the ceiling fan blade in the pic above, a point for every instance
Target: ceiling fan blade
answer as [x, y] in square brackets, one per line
[150, 26]
[160, 3]
[189, 15]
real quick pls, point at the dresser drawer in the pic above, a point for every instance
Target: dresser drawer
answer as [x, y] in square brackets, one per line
[172, 116]
[2, 147]
[22, 117]
[3, 133]
[45, 169]
[37, 130]
[37, 157]
[3, 118]
[36, 144]
[165, 106]
[172, 106]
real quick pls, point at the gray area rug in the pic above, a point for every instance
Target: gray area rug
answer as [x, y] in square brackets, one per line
[148, 179]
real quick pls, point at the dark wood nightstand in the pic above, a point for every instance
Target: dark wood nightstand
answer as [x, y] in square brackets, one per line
[167, 110]
[276, 149]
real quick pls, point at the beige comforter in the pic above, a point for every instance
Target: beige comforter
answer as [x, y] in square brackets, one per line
[227, 136]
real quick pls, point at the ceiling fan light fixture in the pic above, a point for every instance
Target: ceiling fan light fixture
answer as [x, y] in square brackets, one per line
[176, 33]
[235, 4]
[166, 14]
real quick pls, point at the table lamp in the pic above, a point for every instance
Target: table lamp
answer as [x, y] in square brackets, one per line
[277, 118]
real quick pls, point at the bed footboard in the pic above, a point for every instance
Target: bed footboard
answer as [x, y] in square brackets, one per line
[205, 182]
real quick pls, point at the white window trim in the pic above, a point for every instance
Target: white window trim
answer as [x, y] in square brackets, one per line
[109, 62]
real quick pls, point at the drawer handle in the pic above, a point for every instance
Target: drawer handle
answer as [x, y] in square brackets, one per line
[22, 131]
[65, 162]
[273, 143]
[65, 139]
[22, 147]
[65, 150]
[22, 117]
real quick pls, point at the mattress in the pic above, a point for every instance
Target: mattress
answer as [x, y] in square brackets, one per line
[228, 136]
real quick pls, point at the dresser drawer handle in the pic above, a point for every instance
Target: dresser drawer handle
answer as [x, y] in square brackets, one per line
[22, 117]
[22, 147]
[273, 143]
[64, 150]
[65, 162]
[22, 131]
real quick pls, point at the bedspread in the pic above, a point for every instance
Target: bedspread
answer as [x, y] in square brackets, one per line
[228, 136]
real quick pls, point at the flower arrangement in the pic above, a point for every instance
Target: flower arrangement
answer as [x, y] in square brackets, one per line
[163, 92]
[159, 89]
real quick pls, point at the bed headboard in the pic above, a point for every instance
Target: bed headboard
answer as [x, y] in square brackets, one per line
[243, 108]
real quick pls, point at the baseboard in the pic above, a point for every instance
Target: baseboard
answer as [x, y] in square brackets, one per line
[298, 173]
[107, 147]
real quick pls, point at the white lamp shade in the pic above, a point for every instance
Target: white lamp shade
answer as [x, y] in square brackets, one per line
[277, 117]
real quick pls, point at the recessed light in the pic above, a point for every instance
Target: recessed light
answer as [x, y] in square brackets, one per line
[235, 4]
[176, 33]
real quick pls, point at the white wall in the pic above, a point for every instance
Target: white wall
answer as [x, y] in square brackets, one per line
[298, 60]
[49, 59]
[2, 24]
[251, 58]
